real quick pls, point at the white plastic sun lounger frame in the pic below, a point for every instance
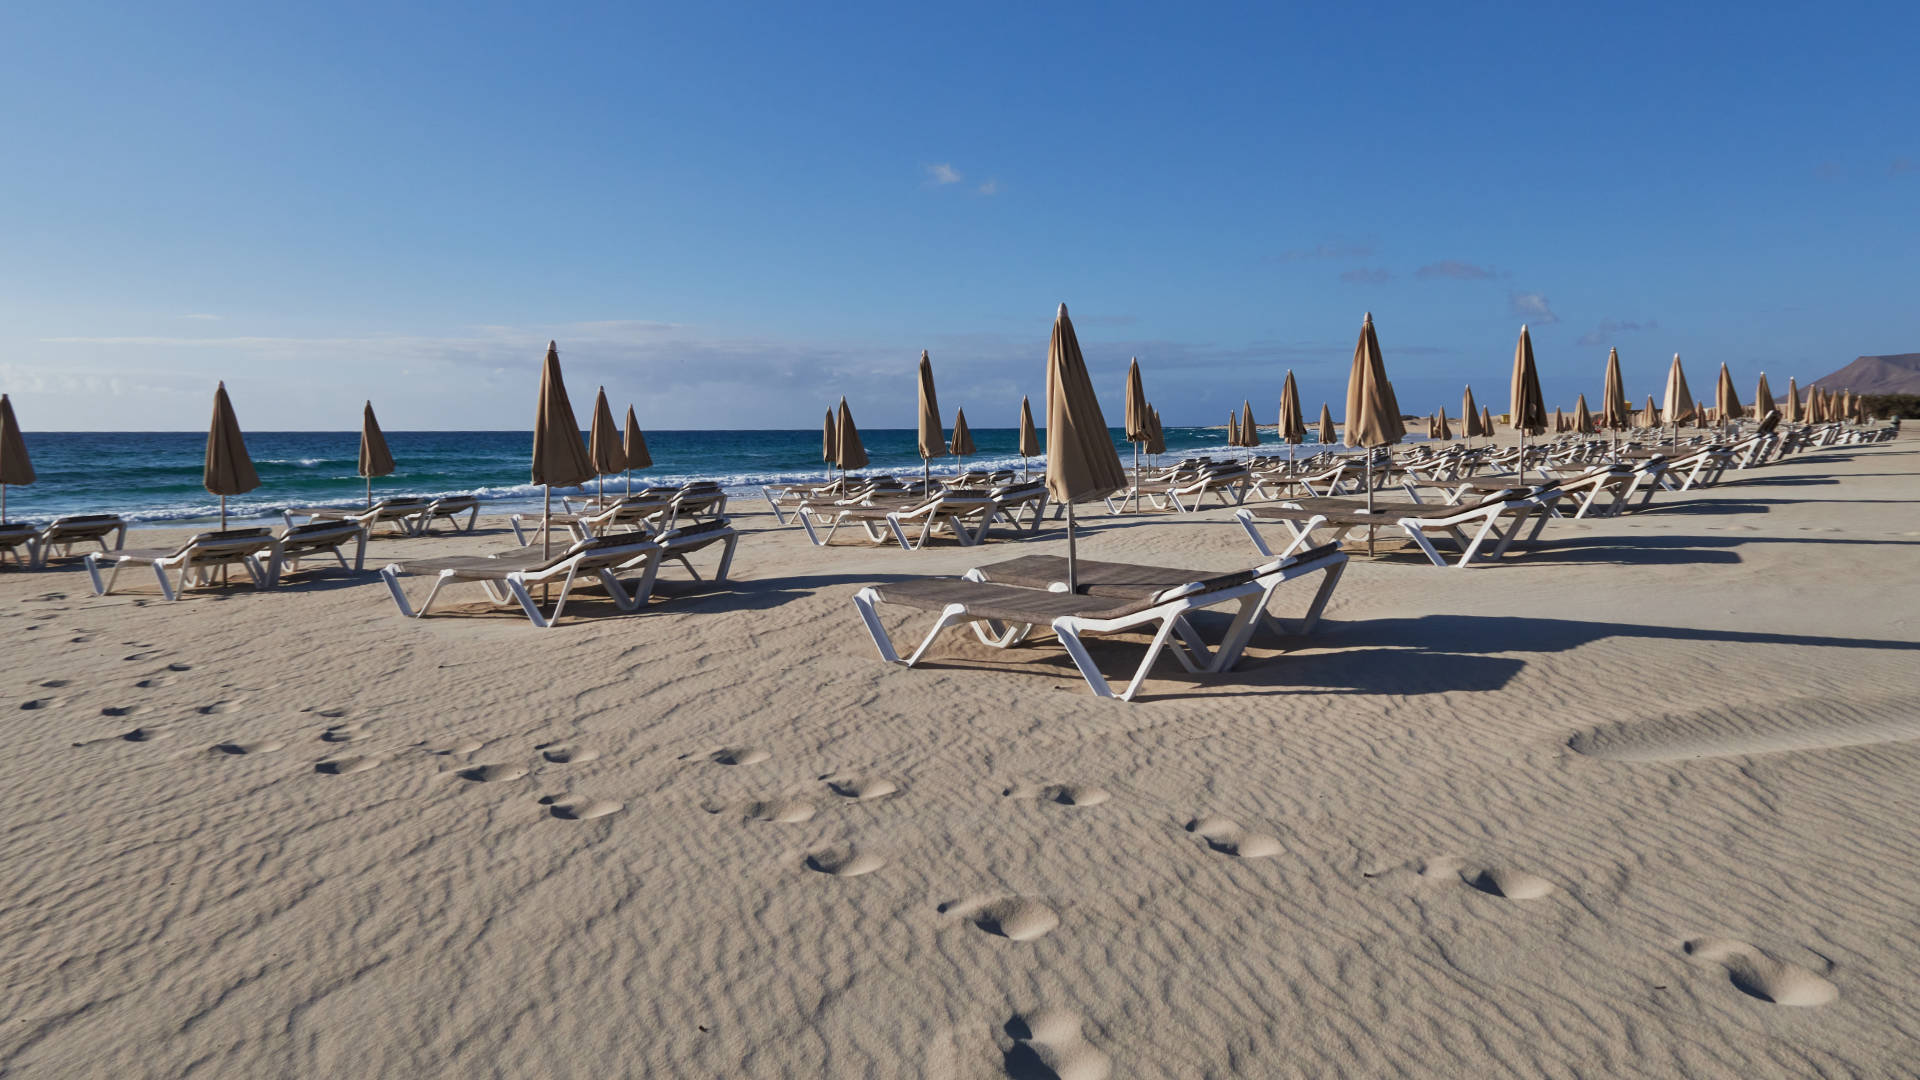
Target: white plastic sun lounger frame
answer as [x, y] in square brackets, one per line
[450, 508]
[193, 559]
[399, 513]
[63, 532]
[1331, 481]
[508, 587]
[1169, 616]
[930, 515]
[14, 539]
[1489, 515]
[651, 515]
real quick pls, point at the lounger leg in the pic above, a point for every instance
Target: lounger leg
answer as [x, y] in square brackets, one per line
[726, 557]
[166, 588]
[473, 517]
[100, 588]
[863, 602]
[1425, 545]
[1063, 629]
[1245, 517]
[391, 575]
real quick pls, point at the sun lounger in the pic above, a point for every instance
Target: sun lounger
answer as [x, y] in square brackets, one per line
[1113, 599]
[397, 513]
[510, 577]
[1605, 490]
[299, 542]
[447, 509]
[1330, 480]
[195, 560]
[966, 514]
[632, 514]
[1498, 518]
[1010, 501]
[62, 533]
[19, 539]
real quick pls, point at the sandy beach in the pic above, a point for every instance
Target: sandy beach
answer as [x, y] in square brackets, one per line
[1639, 803]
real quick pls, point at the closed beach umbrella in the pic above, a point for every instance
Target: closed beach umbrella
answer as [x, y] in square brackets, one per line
[1373, 415]
[15, 467]
[1615, 413]
[1029, 438]
[1326, 435]
[635, 447]
[1470, 416]
[1726, 403]
[559, 457]
[848, 451]
[1582, 419]
[1486, 421]
[1433, 427]
[1233, 429]
[1156, 436]
[962, 438]
[1652, 417]
[1249, 431]
[603, 444]
[1442, 431]
[374, 458]
[829, 453]
[1293, 424]
[229, 471]
[1138, 423]
[1528, 409]
[1678, 404]
[1081, 461]
[1763, 402]
[933, 441]
[1793, 414]
[1559, 420]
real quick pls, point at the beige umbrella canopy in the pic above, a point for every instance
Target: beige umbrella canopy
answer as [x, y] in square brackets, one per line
[848, 451]
[1249, 431]
[1615, 413]
[1233, 428]
[933, 441]
[1559, 420]
[1726, 402]
[1136, 404]
[229, 471]
[1582, 419]
[962, 438]
[1441, 430]
[1373, 416]
[1678, 404]
[829, 451]
[15, 467]
[1156, 436]
[1527, 409]
[603, 443]
[1763, 402]
[374, 458]
[1470, 416]
[1793, 413]
[1081, 461]
[1652, 417]
[1029, 438]
[634, 446]
[1293, 425]
[1327, 435]
[559, 457]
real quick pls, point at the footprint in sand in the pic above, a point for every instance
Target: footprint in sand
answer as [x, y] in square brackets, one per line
[456, 748]
[1757, 974]
[843, 862]
[123, 710]
[1017, 918]
[55, 684]
[155, 682]
[1227, 837]
[1048, 1043]
[179, 667]
[141, 656]
[340, 733]
[330, 714]
[861, 788]
[347, 766]
[266, 746]
[779, 811]
[218, 708]
[39, 703]
[486, 774]
[145, 734]
[580, 808]
[1061, 794]
[562, 754]
[738, 755]
[1501, 881]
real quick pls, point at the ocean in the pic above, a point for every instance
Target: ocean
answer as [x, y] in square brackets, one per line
[154, 476]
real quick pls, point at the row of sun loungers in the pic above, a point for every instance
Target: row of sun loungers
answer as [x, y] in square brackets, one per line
[403, 517]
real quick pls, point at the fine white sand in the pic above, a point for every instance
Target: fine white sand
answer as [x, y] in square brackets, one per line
[1641, 803]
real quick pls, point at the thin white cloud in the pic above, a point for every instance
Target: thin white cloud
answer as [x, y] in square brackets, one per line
[991, 187]
[1454, 268]
[1533, 307]
[943, 174]
[1608, 328]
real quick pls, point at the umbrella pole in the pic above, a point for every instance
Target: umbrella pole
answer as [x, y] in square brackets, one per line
[546, 522]
[926, 476]
[629, 481]
[223, 528]
[3, 504]
[1072, 585]
[369, 492]
[1369, 482]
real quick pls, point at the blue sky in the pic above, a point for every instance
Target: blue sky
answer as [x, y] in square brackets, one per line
[731, 213]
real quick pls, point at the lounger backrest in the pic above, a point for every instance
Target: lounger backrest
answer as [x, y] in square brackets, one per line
[318, 530]
[223, 544]
[84, 524]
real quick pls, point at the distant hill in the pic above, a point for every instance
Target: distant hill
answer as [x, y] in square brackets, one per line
[1899, 374]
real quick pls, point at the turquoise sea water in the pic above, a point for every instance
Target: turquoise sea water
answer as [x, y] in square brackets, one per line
[155, 476]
